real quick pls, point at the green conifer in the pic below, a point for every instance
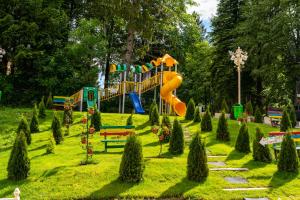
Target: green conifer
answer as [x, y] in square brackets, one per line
[50, 146]
[249, 108]
[225, 106]
[197, 117]
[56, 129]
[222, 131]
[49, 103]
[96, 120]
[177, 139]
[258, 116]
[42, 109]
[166, 121]
[155, 116]
[23, 126]
[206, 124]
[129, 121]
[285, 124]
[260, 152]
[243, 142]
[190, 110]
[292, 114]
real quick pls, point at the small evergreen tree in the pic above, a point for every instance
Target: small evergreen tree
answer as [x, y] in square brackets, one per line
[189, 115]
[42, 109]
[19, 164]
[243, 143]
[56, 129]
[288, 159]
[285, 123]
[260, 152]
[249, 108]
[166, 122]
[177, 139]
[292, 114]
[49, 103]
[153, 104]
[258, 116]
[197, 169]
[96, 120]
[225, 106]
[132, 164]
[206, 124]
[129, 121]
[197, 117]
[23, 126]
[50, 146]
[155, 116]
[222, 131]
[68, 116]
[34, 124]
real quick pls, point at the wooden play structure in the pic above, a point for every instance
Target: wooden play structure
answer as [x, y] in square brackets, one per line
[134, 81]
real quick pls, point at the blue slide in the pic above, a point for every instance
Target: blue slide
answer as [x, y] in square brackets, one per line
[136, 103]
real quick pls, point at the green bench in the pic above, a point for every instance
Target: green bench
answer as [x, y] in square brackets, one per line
[118, 131]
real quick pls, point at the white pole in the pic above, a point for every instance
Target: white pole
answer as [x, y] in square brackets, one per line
[140, 83]
[81, 99]
[155, 87]
[124, 92]
[239, 85]
[134, 82]
[161, 82]
[120, 89]
[176, 72]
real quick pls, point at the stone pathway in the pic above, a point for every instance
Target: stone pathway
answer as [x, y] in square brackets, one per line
[217, 163]
[245, 189]
[236, 180]
[256, 199]
[229, 169]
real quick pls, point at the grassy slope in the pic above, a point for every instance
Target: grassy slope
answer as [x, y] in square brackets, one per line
[59, 176]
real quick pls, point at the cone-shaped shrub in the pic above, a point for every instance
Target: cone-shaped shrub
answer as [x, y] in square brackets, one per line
[132, 164]
[129, 121]
[242, 142]
[197, 169]
[166, 122]
[224, 106]
[155, 116]
[50, 146]
[19, 164]
[288, 159]
[150, 109]
[68, 116]
[285, 123]
[42, 109]
[197, 117]
[177, 139]
[292, 114]
[96, 120]
[56, 129]
[49, 103]
[34, 124]
[23, 126]
[189, 115]
[258, 116]
[222, 131]
[260, 152]
[249, 108]
[206, 124]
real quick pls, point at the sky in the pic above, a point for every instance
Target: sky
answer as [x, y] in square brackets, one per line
[207, 9]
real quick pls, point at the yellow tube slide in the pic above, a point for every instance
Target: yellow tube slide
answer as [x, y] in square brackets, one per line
[171, 81]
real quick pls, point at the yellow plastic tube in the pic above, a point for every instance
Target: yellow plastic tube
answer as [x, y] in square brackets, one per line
[171, 81]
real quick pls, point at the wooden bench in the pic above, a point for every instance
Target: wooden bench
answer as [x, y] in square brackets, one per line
[277, 146]
[117, 131]
[275, 116]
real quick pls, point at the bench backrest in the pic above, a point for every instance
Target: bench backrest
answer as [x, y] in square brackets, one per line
[295, 135]
[116, 130]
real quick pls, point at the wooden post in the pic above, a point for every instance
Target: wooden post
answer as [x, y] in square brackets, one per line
[120, 98]
[155, 87]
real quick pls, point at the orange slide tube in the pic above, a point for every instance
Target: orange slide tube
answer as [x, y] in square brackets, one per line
[171, 81]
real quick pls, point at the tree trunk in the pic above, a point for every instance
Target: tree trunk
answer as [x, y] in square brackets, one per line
[106, 83]
[129, 47]
[109, 34]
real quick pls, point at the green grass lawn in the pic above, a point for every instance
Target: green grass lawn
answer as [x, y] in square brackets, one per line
[60, 175]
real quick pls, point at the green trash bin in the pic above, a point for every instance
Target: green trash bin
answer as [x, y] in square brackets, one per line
[237, 110]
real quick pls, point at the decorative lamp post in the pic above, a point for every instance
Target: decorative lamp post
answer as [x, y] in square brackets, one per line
[239, 57]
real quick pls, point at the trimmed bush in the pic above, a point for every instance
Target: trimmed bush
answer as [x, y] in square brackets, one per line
[56, 129]
[285, 123]
[34, 124]
[292, 114]
[50, 146]
[243, 143]
[153, 104]
[132, 164]
[224, 106]
[197, 169]
[249, 108]
[42, 109]
[129, 121]
[23, 126]
[177, 139]
[197, 117]
[261, 153]
[154, 116]
[49, 103]
[288, 159]
[166, 122]
[258, 116]
[206, 124]
[68, 116]
[222, 131]
[19, 164]
[96, 120]
[189, 115]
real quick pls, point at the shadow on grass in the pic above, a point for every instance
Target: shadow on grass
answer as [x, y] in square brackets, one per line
[168, 155]
[281, 178]
[235, 155]
[184, 121]
[179, 189]
[142, 126]
[70, 136]
[111, 190]
[112, 153]
[152, 144]
[39, 148]
[37, 156]
[5, 148]
[252, 164]
[192, 124]
[51, 172]
[144, 133]
[11, 185]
